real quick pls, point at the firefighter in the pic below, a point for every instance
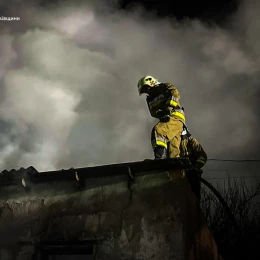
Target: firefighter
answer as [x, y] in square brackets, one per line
[191, 148]
[163, 100]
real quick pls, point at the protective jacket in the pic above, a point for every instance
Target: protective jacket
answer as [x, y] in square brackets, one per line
[164, 99]
[191, 148]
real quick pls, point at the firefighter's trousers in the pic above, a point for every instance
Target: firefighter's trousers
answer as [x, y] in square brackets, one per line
[168, 135]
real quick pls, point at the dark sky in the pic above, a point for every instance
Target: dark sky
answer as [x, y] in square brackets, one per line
[215, 11]
[69, 69]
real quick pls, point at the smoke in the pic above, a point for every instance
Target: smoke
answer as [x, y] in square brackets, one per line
[68, 75]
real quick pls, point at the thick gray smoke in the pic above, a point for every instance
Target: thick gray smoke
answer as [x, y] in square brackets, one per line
[68, 76]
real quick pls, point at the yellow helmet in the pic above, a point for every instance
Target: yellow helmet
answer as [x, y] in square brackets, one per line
[146, 80]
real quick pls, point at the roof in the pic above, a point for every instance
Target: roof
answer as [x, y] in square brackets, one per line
[22, 176]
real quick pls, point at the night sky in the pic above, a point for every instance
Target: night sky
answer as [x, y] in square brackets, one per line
[69, 69]
[207, 11]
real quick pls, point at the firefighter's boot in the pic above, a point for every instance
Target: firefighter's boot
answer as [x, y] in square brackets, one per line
[160, 152]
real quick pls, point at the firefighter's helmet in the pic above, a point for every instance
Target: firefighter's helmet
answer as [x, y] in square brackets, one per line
[146, 81]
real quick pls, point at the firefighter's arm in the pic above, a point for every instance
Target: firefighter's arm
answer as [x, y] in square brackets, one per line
[198, 151]
[174, 95]
[152, 111]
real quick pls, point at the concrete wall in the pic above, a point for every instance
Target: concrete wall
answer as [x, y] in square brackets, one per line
[162, 221]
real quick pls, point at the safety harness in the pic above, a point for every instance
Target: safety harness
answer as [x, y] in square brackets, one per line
[185, 133]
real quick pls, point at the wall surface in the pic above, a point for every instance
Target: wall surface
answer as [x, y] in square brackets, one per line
[161, 221]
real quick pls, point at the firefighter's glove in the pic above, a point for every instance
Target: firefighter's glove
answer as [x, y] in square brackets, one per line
[197, 170]
[165, 119]
[198, 166]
